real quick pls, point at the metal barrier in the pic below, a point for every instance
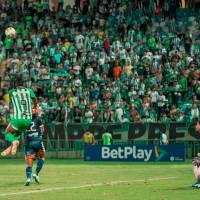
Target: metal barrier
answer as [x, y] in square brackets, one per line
[74, 148]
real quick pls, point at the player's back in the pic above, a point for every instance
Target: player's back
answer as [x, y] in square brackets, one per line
[21, 99]
[34, 132]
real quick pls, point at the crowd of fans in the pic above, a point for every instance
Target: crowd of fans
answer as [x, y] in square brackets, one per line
[102, 61]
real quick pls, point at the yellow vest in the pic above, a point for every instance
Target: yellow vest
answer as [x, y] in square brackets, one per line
[88, 138]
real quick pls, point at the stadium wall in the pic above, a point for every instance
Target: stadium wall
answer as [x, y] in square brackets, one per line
[123, 131]
[64, 140]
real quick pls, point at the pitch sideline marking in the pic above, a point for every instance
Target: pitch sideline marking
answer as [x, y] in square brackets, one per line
[85, 186]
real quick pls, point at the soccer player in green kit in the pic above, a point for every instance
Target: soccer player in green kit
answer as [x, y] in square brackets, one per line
[22, 100]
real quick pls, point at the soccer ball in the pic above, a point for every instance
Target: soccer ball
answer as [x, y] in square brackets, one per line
[10, 31]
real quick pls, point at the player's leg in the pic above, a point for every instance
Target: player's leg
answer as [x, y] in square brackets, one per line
[12, 137]
[29, 164]
[9, 137]
[15, 128]
[196, 170]
[15, 144]
[40, 163]
[39, 166]
[11, 149]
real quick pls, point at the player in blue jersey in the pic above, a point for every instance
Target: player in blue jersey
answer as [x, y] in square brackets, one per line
[34, 148]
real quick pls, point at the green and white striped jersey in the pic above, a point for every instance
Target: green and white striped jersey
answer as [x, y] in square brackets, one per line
[21, 99]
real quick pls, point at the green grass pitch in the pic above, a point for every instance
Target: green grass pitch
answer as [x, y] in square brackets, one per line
[79, 180]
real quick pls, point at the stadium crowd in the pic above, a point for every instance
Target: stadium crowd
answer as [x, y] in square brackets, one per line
[103, 61]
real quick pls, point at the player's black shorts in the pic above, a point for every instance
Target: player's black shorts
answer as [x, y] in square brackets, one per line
[34, 148]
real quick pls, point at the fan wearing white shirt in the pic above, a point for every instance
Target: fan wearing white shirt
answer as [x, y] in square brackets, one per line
[79, 39]
[163, 139]
[119, 113]
[77, 82]
[194, 113]
[88, 116]
[89, 72]
[154, 97]
[76, 68]
[161, 103]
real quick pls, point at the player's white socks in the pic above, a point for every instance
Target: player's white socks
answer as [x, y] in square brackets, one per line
[28, 181]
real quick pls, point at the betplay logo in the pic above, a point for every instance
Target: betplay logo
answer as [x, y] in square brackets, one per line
[126, 152]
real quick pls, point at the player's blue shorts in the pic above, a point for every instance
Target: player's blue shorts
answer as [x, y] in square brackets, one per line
[34, 149]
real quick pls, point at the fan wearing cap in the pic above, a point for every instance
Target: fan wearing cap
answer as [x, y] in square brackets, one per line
[22, 101]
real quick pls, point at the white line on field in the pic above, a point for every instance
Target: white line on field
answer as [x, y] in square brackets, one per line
[84, 186]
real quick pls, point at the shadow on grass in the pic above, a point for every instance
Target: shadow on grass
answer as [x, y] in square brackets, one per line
[13, 184]
[181, 188]
[20, 186]
[15, 161]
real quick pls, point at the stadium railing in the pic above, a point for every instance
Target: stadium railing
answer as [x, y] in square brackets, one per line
[64, 140]
[73, 149]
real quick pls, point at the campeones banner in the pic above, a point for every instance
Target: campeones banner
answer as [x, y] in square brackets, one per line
[132, 153]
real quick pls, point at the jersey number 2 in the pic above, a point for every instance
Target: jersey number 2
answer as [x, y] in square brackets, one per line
[32, 127]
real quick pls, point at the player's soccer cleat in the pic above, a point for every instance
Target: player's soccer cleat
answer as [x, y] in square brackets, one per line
[6, 152]
[28, 181]
[3, 154]
[196, 185]
[36, 178]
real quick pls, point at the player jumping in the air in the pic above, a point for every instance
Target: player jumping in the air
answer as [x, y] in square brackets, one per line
[34, 147]
[22, 100]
